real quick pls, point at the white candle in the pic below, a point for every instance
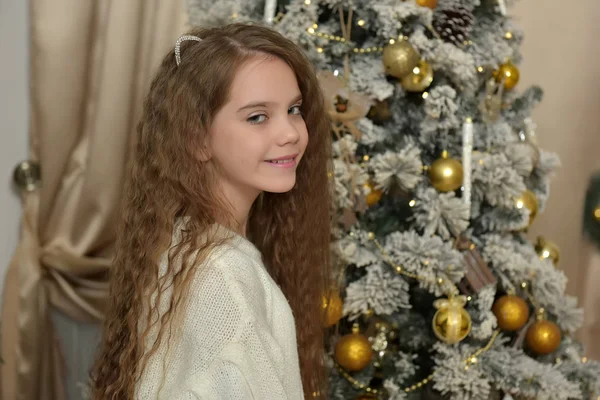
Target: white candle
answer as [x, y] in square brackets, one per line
[270, 7]
[466, 159]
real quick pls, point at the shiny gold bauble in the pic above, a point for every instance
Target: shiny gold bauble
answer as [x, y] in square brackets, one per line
[400, 58]
[509, 72]
[446, 174]
[528, 200]
[597, 213]
[511, 312]
[374, 195]
[428, 3]
[334, 305]
[419, 79]
[452, 323]
[547, 249]
[353, 351]
[543, 337]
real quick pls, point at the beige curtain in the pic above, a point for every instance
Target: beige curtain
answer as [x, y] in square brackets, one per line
[91, 63]
[560, 55]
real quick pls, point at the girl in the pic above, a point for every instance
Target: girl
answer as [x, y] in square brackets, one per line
[223, 247]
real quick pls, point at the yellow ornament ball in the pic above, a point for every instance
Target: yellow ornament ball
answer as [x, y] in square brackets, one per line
[400, 58]
[334, 305]
[353, 351]
[419, 79]
[509, 72]
[547, 249]
[374, 195]
[528, 200]
[428, 3]
[451, 323]
[543, 337]
[511, 312]
[597, 213]
[446, 174]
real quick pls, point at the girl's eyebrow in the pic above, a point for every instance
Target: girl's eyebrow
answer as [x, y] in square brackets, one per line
[257, 104]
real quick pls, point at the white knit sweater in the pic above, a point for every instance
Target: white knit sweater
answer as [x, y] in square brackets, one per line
[237, 336]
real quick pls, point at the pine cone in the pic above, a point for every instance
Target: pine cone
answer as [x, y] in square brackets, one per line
[453, 22]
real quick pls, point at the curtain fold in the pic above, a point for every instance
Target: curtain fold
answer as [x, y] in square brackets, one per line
[91, 64]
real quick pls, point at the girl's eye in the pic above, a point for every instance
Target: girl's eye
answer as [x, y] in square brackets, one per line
[257, 119]
[295, 110]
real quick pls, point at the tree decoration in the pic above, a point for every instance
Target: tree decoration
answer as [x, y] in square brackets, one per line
[529, 201]
[446, 174]
[419, 78]
[453, 22]
[547, 249]
[451, 323]
[353, 351]
[543, 337]
[507, 73]
[400, 58]
[511, 312]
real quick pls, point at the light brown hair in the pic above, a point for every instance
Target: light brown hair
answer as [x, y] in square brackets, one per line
[166, 180]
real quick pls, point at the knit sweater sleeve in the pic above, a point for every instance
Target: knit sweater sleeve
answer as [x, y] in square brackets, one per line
[226, 350]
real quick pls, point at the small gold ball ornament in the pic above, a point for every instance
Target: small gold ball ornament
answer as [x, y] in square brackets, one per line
[597, 213]
[374, 195]
[451, 323]
[509, 72]
[446, 174]
[547, 249]
[353, 351]
[419, 79]
[511, 312]
[400, 58]
[334, 305]
[428, 3]
[543, 337]
[528, 200]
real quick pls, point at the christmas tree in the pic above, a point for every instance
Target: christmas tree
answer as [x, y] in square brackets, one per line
[437, 176]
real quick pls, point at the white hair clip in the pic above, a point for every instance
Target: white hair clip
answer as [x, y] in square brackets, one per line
[178, 46]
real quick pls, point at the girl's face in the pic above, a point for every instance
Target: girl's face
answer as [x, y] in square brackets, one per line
[258, 137]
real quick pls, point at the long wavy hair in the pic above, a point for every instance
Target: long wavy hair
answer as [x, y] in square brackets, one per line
[166, 180]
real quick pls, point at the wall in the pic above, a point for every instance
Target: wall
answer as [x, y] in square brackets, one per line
[560, 50]
[13, 119]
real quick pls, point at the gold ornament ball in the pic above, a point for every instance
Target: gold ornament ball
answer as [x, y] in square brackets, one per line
[597, 213]
[511, 312]
[400, 58]
[334, 311]
[547, 249]
[446, 174]
[509, 72]
[451, 325]
[374, 194]
[419, 79]
[543, 337]
[528, 200]
[353, 351]
[428, 3]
